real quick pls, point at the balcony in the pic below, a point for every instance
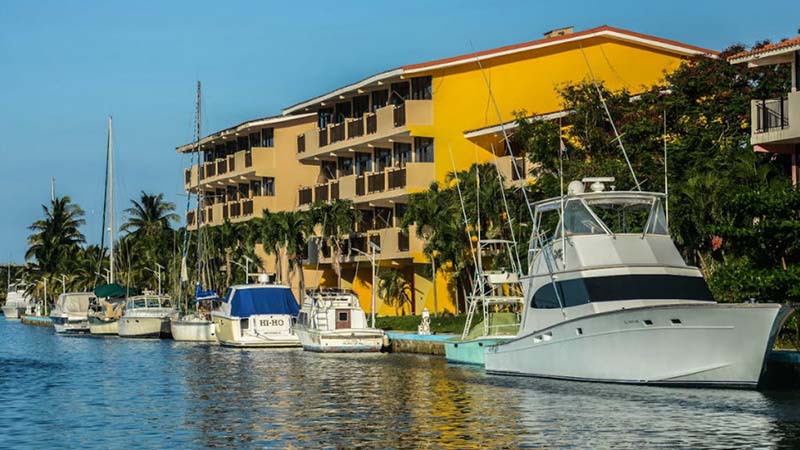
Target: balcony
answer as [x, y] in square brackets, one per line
[247, 163]
[515, 170]
[386, 122]
[775, 122]
[234, 211]
[371, 187]
[394, 245]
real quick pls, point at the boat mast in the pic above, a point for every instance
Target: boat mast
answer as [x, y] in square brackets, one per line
[110, 204]
[199, 194]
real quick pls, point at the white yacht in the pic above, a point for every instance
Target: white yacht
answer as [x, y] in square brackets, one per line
[197, 326]
[257, 315]
[608, 298]
[147, 316]
[332, 320]
[70, 315]
[18, 303]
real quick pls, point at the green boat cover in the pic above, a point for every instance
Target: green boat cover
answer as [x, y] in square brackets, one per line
[114, 290]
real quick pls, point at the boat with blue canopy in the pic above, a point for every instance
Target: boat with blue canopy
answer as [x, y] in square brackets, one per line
[257, 315]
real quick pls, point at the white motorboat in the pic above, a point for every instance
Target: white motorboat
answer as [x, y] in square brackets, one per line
[70, 315]
[147, 316]
[257, 315]
[18, 303]
[197, 326]
[608, 298]
[332, 320]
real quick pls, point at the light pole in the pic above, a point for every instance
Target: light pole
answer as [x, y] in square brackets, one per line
[159, 267]
[44, 304]
[375, 248]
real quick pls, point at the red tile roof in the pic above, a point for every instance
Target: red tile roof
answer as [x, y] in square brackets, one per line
[767, 48]
[556, 39]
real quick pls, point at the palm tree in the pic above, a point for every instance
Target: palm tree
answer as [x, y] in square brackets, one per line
[148, 228]
[394, 289]
[335, 219]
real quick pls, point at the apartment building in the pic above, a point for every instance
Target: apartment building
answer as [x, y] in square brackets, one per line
[775, 122]
[380, 139]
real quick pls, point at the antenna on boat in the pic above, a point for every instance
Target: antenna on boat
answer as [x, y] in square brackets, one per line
[617, 137]
[561, 149]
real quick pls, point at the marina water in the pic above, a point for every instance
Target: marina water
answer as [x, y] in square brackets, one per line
[62, 392]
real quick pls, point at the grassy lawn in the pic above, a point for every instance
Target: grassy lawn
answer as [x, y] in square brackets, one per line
[441, 324]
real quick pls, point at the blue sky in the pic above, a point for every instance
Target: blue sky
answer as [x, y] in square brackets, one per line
[66, 65]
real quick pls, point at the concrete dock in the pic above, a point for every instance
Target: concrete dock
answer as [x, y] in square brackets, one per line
[37, 321]
[407, 342]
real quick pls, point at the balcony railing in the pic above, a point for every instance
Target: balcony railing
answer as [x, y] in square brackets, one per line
[376, 182]
[248, 159]
[355, 128]
[361, 185]
[321, 193]
[306, 196]
[232, 163]
[190, 218]
[210, 170]
[335, 190]
[397, 178]
[402, 241]
[210, 214]
[323, 137]
[225, 215]
[337, 133]
[187, 176]
[400, 115]
[301, 143]
[372, 123]
[235, 209]
[247, 207]
[222, 166]
[772, 115]
[518, 169]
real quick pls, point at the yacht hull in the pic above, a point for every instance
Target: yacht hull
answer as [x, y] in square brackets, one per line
[471, 351]
[103, 327]
[68, 325]
[349, 340]
[689, 344]
[193, 330]
[144, 327]
[12, 312]
[232, 333]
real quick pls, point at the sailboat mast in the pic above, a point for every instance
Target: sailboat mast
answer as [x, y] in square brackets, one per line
[110, 203]
[200, 161]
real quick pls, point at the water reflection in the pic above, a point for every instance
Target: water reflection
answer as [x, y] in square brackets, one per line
[112, 393]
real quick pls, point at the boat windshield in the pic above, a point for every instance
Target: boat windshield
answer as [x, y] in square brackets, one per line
[608, 214]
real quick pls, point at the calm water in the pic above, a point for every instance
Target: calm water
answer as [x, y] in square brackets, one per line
[62, 392]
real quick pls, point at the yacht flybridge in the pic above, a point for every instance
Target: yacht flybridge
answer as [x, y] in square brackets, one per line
[609, 298]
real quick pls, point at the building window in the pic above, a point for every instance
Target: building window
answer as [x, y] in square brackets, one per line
[363, 163]
[255, 139]
[268, 186]
[399, 93]
[379, 99]
[343, 111]
[360, 105]
[383, 218]
[324, 117]
[328, 169]
[244, 190]
[383, 159]
[421, 88]
[241, 143]
[345, 166]
[423, 149]
[402, 154]
[268, 137]
[230, 147]
[255, 187]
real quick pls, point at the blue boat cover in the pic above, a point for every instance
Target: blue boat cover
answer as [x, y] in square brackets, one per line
[266, 300]
[201, 295]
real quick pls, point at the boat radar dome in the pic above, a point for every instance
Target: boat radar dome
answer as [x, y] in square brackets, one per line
[575, 188]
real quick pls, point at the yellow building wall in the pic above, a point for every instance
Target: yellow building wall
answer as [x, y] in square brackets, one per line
[527, 81]
[291, 174]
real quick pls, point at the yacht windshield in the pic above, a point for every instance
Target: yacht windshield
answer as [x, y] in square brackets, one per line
[630, 215]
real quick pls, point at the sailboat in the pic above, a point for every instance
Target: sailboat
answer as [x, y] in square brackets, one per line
[105, 311]
[197, 326]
